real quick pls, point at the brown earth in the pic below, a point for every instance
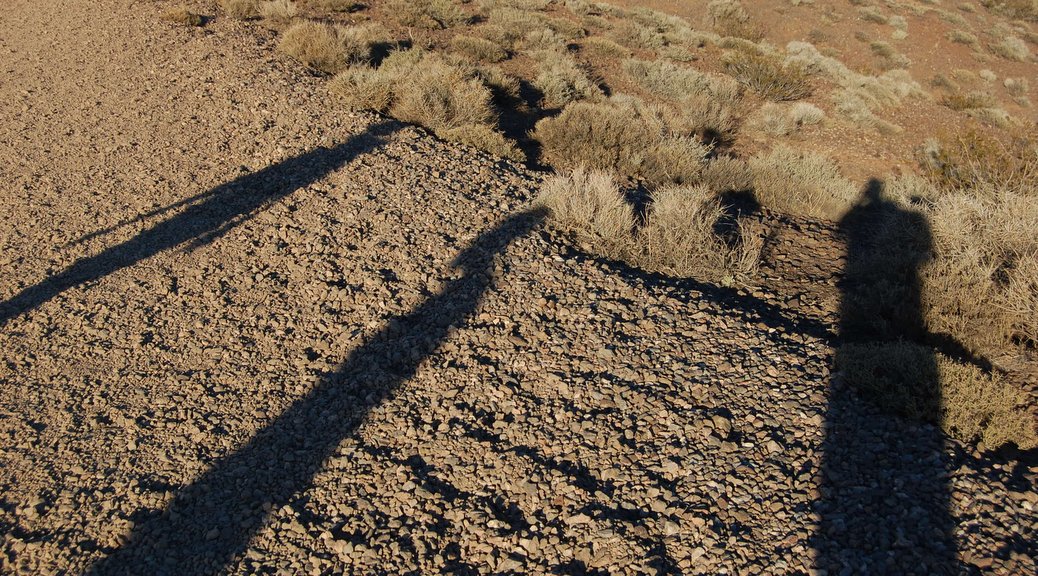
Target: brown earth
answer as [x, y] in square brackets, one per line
[243, 331]
[838, 30]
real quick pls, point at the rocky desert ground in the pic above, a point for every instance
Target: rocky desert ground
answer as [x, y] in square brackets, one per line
[245, 329]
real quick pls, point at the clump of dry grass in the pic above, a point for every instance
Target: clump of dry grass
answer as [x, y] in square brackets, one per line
[860, 96]
[423, 88]
[889, 57]
[729, 18]
[679, 236]
[1016, 9]
[635, 35]
[780, 120]
[277, 10]
[562, 80]
[316, 45]
[978, 163]
[478, 49]
[960, 101]
[769, 75]
[604, 47]
[543, 39]
[430, 14]
[963, 37]
[183, 16]
[676, 82]
[727, 174]
[241, 9]
[623, 135]
[870, 14]
[1012, 48]
[589, 205]
[708, 103]
[338, 5]
[982, 286]
[913, 381]
[331, 48]
[802, 184]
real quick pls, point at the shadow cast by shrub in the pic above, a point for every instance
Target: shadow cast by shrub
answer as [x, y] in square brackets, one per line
[206, 218]
[210, 522]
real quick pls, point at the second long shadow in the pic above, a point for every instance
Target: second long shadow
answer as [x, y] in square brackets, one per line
[208, 217]
[210, 522]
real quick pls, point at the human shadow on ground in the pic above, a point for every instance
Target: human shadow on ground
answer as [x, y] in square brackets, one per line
[884, 506]
[207, 217]
[211, 521]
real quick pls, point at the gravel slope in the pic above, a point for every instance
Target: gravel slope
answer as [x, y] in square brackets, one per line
[244, 331]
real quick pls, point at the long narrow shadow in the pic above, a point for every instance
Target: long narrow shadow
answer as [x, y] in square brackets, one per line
[215, 213]
[210, 522]
[885, 501]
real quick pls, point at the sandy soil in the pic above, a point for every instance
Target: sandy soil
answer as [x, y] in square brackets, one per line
[242, 331]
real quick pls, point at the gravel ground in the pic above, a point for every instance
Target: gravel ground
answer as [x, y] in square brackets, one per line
[243, 331]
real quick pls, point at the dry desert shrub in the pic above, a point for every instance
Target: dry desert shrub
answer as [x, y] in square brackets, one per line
[542, 39]
[726, 174]
[338, 5]
[635, 35]
[888, 56]
[782, 120]
[316, 45]
[870, 14]
[483, 137]
[241, 9]
[960, 101]
[183, 16]
[1016, 9]
[509, 27]
[603, 47]
[802, 184]
[441, 97]
[478, 49]
[982, 286]
[1012, 48]
[676, 82]
[913, 381]
[1016, 86]
[979, 164]
[729, 18]
[430, 14]
[277, 10]
[769, 76]
[415, 86]
[679, 236]
[331, 48]
[623, 135]
[561, 80]
[963, 37]
[860, 96]
[589, 205]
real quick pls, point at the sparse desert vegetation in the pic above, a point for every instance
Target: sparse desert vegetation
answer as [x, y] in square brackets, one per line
[634, 102]
[519, 287]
